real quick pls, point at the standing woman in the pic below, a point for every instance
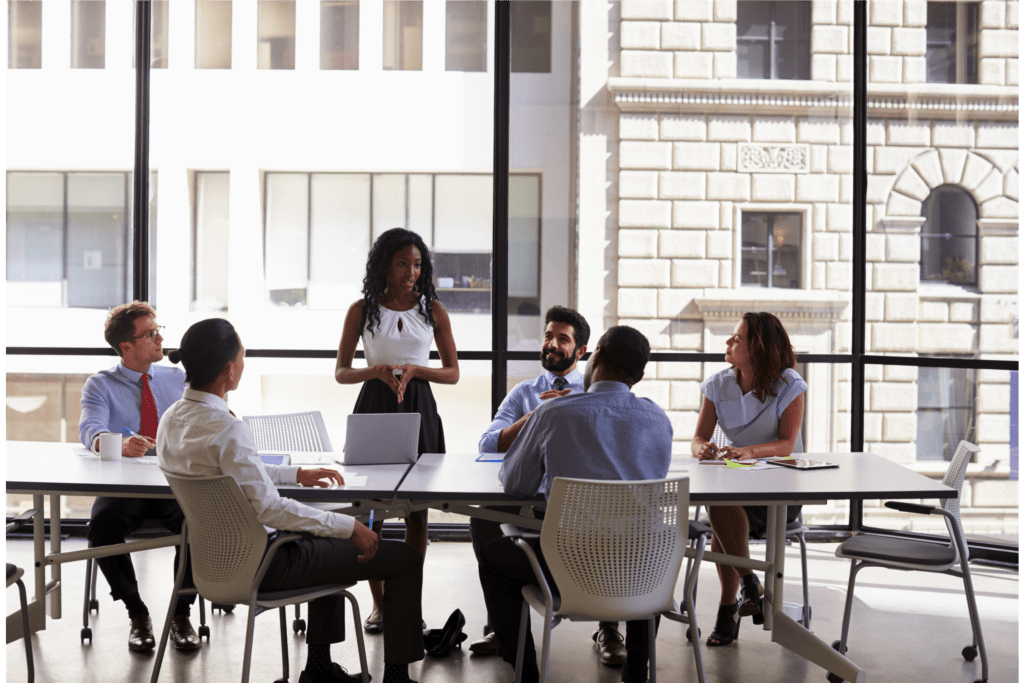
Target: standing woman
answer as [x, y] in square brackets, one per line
[759, 405]
[396, 319]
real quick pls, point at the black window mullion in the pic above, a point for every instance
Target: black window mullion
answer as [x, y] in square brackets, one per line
[859, 264]
[499, 256]
[140, 213]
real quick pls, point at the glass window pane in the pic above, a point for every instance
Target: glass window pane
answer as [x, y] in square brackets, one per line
[25, 34]
[388, 202]
[88, 31]
[275, 42]
[421, 206]
[523, 239]
[339, 237]
[35, 239]
[211, 258]
[339, 35]
[213, 34]
[463, 213]
[97, 239]
[287, 238]
[159, 41]
[465, 37]
[403, 35]
[531, 36]
[752, 59]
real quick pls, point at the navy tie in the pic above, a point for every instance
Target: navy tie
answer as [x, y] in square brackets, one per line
[560, 383]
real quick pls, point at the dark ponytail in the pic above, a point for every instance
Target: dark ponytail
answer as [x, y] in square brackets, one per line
[205, 349]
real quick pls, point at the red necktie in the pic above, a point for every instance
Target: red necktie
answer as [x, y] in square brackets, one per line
[147, 427]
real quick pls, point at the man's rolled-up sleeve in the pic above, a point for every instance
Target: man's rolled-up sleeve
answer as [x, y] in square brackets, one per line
[510, 410]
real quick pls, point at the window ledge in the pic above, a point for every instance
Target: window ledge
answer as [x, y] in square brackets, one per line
[885, 100]
[787, 304]
[946, 292]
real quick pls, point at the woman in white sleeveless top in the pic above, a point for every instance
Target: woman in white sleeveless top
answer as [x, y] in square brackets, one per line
[759, 405]
[396, 319]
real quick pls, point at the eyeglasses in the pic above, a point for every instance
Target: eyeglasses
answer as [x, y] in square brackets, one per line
[149, 335]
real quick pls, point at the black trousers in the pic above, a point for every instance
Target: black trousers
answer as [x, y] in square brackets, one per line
[314, 560]
[113, 519]
[483, 531]
[504, 570]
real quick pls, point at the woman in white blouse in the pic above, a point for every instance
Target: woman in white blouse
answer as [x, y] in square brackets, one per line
[396, 319]
[758, 404]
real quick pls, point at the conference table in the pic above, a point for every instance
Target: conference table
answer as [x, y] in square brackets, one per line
[458, 483]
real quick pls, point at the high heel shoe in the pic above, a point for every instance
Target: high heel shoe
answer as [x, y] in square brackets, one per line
[438, 642]
[727, 626]
[751, 598]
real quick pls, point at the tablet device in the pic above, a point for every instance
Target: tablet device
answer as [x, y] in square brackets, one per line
[801, 463]
[382, 439]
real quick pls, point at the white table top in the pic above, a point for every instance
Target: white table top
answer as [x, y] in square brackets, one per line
[70, 469]
[860, 476]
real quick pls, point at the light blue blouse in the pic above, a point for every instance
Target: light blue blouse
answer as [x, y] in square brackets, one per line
[744, 420]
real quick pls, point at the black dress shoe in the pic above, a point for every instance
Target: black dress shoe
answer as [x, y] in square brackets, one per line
[610, 646]
[182, 634]
[140, 636]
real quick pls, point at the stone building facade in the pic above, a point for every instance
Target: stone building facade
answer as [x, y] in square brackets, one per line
[705, 157]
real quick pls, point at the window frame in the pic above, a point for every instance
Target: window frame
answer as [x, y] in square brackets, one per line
[773, 40]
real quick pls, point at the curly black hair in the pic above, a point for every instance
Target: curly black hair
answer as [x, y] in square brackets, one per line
[376, 279]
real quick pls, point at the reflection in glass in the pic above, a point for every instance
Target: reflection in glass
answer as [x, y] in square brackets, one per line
[88, 31]
[945, 411]
[339, 35]
[97, 239]
[771, 250]
[213, 34]
[531, 36]
[275, 30]
[159, 41]
[210, 242]
[25, 34]
[35, 239]
[403, 35]
[287, 238]
[952, 42]
[949, 236]
[465, 36]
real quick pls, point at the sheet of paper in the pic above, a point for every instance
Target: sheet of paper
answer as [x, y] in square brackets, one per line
[353, 481]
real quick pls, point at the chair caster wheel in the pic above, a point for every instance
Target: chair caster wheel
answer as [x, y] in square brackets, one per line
[299, 626]
[969, 653]
[689, 634]
[86, 635]
[94, 606]
[832, 678]
[835, 646]
[204, 632]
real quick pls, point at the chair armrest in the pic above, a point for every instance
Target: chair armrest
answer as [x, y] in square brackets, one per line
[915, 508]
[21, 520]
[513, 531]
[268, 556]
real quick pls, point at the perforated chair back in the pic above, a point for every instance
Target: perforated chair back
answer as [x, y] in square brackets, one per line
[955, 479]
[614, 548]
[291, 432]
[225, 540]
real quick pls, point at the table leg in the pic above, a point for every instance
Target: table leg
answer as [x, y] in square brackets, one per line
[55, 590]
[39, 547]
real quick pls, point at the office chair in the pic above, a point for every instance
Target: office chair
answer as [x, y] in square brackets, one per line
[875, 550]
[288, 432]
[227, 544]
[634, 538]
[14, 575]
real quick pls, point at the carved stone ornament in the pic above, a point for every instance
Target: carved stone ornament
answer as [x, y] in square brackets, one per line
[754, 158]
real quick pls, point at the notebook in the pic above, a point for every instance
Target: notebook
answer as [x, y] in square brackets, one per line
[382, 439]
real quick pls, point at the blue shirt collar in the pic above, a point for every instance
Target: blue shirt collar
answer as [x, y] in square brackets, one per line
[133, 376]
[608, 385]
[573, 377]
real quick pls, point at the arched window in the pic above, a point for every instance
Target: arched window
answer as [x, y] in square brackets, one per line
[949, 237]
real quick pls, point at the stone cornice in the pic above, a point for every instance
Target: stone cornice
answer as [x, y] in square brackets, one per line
[814, 98]
[790, 304]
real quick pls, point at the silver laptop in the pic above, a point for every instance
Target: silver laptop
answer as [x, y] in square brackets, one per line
[382, 438]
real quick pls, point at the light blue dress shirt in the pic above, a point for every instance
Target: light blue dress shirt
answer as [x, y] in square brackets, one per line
[607, 433]
[744, 420]
[112, 399]
[524, 398]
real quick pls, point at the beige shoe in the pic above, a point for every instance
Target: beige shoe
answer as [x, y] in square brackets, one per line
[486, 646]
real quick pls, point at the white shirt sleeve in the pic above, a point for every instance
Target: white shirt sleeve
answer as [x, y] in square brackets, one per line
[238, 458]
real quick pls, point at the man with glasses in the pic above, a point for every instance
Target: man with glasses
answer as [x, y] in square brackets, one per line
[129, 399]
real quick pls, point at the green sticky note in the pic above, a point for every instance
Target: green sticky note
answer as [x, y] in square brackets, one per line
[735, 465]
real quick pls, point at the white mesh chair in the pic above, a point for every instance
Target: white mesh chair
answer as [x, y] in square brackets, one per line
[14, 575]
[614, 549]
[291, 432]
[227, 545]
[873, 550]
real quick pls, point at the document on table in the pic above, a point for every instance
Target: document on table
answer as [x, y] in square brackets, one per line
[354, 481]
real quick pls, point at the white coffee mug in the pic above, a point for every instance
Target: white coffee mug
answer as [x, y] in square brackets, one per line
[110, 446]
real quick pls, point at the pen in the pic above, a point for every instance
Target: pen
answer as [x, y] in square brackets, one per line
[371, 520]
[130, 433]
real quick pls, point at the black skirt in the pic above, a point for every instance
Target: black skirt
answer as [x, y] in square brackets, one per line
[376, 397]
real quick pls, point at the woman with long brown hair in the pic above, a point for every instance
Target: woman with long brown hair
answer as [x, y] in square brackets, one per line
[758, 403]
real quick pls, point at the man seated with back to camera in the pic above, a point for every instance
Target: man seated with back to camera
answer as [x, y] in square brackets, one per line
[605, 433]
[566, 334]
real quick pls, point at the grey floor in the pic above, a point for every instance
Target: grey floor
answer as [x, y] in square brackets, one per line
[906, 627]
